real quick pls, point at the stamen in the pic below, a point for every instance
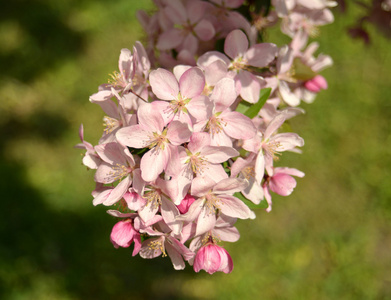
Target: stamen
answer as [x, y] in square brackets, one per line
[157, 245]
[119, 172]
[215, 125]
[212, 203]
[271, 148]
[110, 124]
[117, 80]
[248, 172]
[153, 198]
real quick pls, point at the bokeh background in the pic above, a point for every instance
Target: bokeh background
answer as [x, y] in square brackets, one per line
[330, 240]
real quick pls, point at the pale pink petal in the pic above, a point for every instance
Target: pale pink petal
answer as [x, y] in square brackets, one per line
[111, 153]
[195, 10]
[169, 39]
[234, 207]
[190, 43]
[101, 96]
[148, 212]
[236, 44]
[134, 136]
[237, 125]
[259, 167]
[117, 193]
[210, 57]
[125, 63]
[260, 55]
[164, 84]
[215, 71]
[153, 163]
[230, 186]
[268, 198]
[285, 59]
[217, 155]
[179, 70]
[206, 221]
[250, 86]
[204, 30]
[198, 140]
[289, 171]
[200, 108]
[224, 94]
[274, 125]
[176, 12]
[201, 185]
[150, 118]
[169, 213]
[227, 234]
[287, 141]
[221, 139]
[178, 133]
[192, 83]
[176, 258]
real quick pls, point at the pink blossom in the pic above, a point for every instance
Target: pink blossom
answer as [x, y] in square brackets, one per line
[162, 141]
[186, 102]
[123, 234]
[259, 55]
[213, 258]
[270, 145]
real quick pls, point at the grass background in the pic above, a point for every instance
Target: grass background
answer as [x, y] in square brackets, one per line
[330, 240]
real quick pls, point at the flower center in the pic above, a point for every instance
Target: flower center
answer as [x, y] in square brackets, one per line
[157, 245]
[120, 171]
[272, 149]
[215, 125]
[110, 124]
[117, 80]
[153, 198]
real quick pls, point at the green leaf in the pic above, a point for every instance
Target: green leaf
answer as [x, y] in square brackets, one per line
[254, 109]
[243, 106]
[262, 205]
[302, 71]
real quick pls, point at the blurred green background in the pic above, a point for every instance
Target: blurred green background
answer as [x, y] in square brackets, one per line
[330, 240]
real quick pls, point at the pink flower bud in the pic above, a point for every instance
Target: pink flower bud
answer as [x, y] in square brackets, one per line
[122, 234]
[316, 84]
[282, 184]
[213, 258]
[185, 204]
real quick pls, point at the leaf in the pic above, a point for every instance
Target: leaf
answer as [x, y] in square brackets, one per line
[302, 71]
[254, 109]
[262, 205]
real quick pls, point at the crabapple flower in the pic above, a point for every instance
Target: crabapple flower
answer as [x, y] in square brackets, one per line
[213, 258]
[270, 145]
[259, 55]
[186, 102]
[162, 141]
[188, 139]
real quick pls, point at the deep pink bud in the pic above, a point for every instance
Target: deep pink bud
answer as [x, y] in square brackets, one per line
[316, 84]
[122, 234]
[282, 184]
[213, 258]
[185, 204]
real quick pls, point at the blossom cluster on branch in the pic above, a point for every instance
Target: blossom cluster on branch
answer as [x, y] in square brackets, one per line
[193, 124]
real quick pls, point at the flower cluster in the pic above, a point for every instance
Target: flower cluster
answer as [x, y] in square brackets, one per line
[190, 146]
